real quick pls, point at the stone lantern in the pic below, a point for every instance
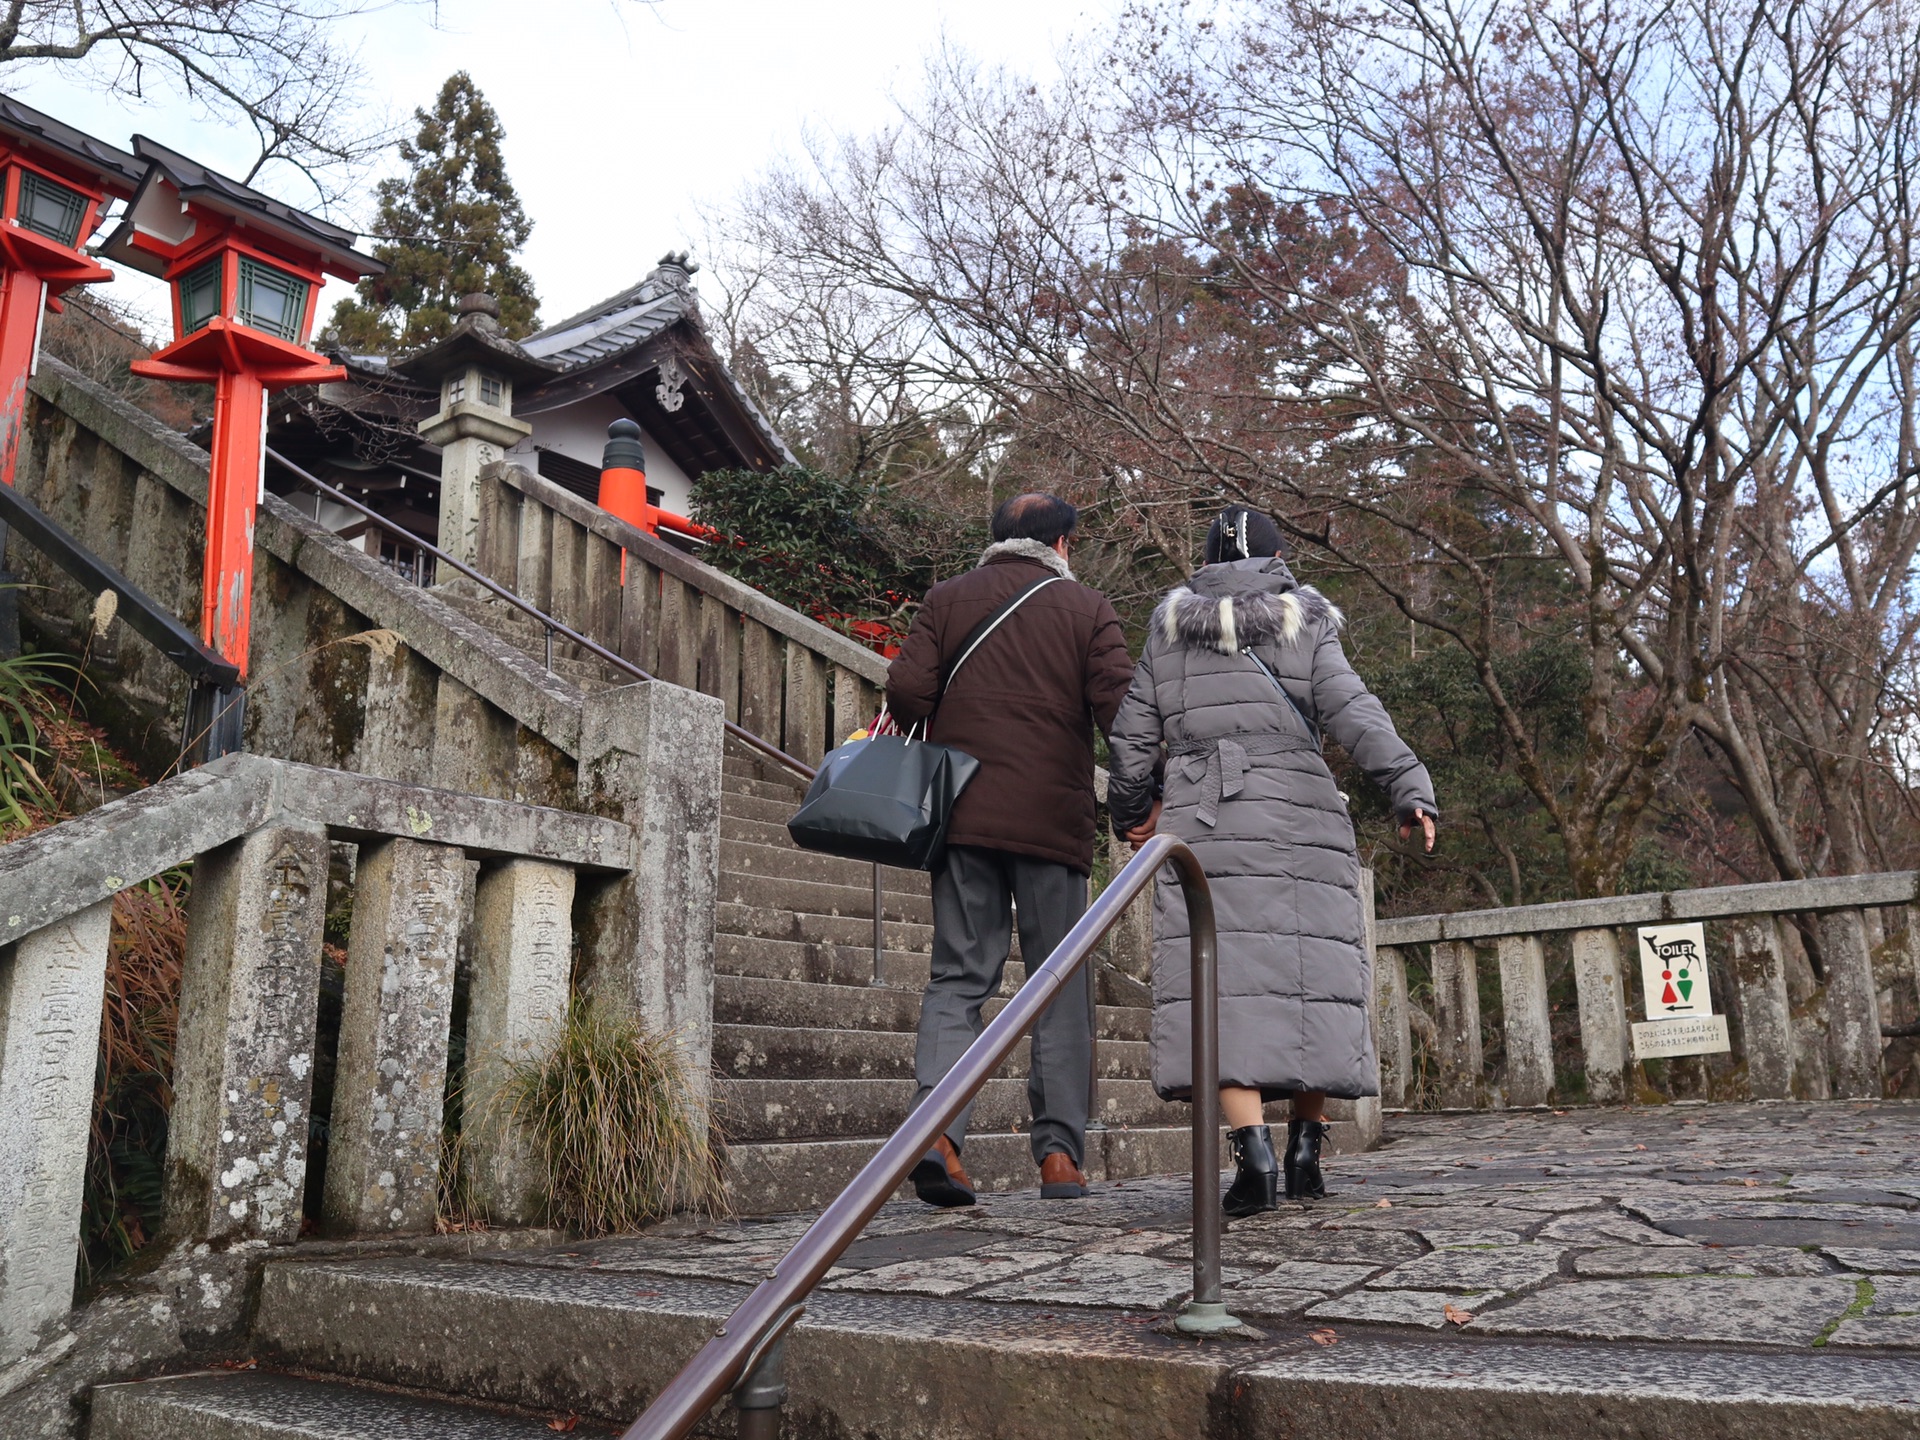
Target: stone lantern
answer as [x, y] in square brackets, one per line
[475, 367]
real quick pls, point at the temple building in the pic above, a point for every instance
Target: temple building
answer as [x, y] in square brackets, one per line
[391, 431]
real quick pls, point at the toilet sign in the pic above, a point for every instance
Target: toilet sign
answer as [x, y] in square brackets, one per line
[1673, 971]
[1673, 980]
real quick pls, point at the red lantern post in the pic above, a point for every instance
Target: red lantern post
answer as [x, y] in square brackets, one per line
[246, 273]
[56, 182]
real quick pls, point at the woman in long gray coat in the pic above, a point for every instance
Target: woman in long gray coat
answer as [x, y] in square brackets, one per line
[1241, 675]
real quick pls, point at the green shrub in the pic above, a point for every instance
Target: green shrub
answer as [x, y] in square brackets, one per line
[614, 1115]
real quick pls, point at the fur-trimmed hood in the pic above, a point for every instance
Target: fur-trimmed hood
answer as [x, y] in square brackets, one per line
[1027, 550]
[1240, 603]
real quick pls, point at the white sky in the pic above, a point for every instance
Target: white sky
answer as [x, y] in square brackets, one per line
[622, 122]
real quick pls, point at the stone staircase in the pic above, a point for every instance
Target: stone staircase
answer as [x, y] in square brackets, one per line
[813, 1050]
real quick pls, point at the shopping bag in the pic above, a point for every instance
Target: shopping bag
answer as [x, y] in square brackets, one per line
[886, 800]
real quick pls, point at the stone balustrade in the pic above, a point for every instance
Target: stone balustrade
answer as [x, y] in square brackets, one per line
[262, 835]
[1826, 1046]
[780, 675]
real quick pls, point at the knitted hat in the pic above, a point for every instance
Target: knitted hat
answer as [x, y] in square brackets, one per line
[1243, 534]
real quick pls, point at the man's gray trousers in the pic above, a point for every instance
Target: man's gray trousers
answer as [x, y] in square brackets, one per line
[972, 933]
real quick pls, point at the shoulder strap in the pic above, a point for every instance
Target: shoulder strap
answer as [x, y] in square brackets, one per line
[987, 626]
[1313, 730]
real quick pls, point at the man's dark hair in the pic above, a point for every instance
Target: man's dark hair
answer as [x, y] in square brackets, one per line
[1034, 517]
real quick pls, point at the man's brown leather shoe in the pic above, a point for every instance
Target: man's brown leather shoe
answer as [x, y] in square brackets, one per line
[940, 1179]
[1060, 1178]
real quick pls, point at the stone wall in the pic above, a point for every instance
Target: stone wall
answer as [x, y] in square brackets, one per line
[449, 703]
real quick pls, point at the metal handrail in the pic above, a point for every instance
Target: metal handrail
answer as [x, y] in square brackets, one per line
[554, 627]
[744, 1356]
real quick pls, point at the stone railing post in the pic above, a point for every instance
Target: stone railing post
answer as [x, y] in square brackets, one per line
[1605, 1039]
[243, 1062]
[1394, 1025]
[516, 1006]
[1853, 1006]
[1527, 1022]
[650, 755]
[51, 985]
[1766, 1016]
[383, 1155]
[1456, 1019]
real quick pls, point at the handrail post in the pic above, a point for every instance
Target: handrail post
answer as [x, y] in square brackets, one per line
[1205, 1313]
[879, 929]
[736, 1349]
[762, 1394]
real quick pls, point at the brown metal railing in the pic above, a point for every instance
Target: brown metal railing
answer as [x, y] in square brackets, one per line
[744, 1356]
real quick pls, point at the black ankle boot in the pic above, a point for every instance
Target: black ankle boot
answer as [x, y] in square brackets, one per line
[1256, 1182]
[1303, 1160]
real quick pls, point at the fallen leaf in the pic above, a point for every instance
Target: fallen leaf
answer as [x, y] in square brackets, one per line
[1750, 1184]
[1639, 1147]
[1323, 1337]
[1559, 1112]
[565, 1424]
[1383, 1204]
[1455, 1315]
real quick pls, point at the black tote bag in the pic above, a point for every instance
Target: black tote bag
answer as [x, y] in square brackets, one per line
[888, 800]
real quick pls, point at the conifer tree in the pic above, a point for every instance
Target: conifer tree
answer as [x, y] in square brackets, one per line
[451, 227]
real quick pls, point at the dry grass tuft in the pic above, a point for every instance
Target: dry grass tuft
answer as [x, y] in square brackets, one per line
[616, 1119]
[133, 1093]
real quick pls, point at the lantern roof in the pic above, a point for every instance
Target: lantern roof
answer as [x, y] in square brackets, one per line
[113, 169]
[476, 339]
[173, 186]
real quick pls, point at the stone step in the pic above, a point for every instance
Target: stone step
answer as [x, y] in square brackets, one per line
[819, 964]
[777, 1176]
[813, 897]
[759, 1052]
[750, 1110]
[764, 922]
[790, 862]
[259, 1405]
[800, 1005]
[560, 1334]
[789, 794]
[753, 807]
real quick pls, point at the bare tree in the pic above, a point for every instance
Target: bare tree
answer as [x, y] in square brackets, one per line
[276, 66]
[1660, 288]
[1603, 314]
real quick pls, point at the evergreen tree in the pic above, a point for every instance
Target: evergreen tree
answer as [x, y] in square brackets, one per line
[450, 228]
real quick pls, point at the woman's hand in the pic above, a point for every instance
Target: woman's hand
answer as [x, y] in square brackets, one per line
[1143, 832]
[1406, 829]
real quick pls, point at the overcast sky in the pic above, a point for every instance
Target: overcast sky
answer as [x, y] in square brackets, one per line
[624, 122]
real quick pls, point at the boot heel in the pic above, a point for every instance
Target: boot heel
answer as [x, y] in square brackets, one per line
[1256, 1182]
[1304, 1181]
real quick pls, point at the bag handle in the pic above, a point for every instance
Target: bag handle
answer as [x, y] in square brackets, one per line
[1313, 730]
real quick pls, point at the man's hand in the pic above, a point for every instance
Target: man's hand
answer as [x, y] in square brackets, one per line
[1406, 830]
[1143, 832]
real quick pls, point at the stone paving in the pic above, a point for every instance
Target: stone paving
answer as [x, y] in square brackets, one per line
[1773, 1225]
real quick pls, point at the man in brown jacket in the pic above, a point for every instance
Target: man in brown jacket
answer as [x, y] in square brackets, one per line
[1024, 706]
